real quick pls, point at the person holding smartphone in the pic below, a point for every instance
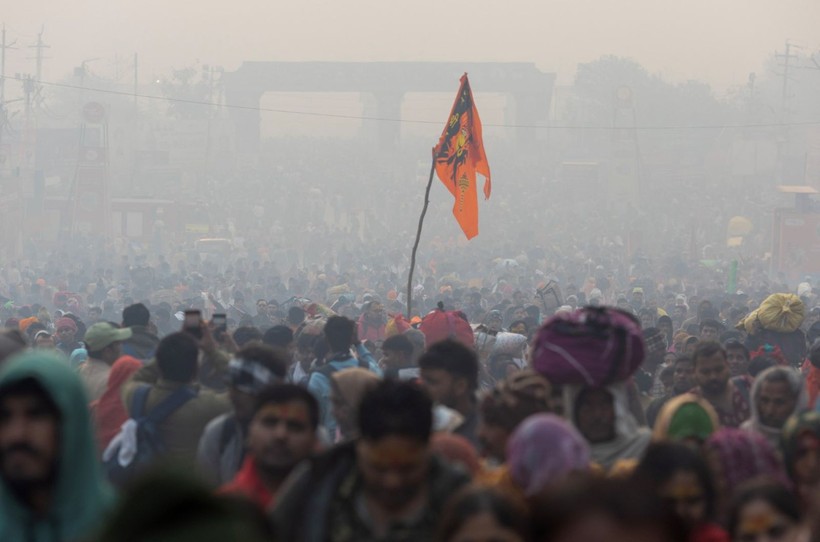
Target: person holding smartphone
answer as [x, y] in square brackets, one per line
[340, 334]
[174, 368]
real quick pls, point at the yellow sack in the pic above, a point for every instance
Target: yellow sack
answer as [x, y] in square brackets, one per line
[750, 324]
[781, 312]
[335, 291]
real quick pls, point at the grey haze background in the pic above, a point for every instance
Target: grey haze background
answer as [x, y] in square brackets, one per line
[716, 41]
[588, 185]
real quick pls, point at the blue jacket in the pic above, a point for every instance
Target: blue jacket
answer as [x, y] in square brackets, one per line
[319, 385]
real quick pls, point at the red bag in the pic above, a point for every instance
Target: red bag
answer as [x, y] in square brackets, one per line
[593, 346]
[439, 325]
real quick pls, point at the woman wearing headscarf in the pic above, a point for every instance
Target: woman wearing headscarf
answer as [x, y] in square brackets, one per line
[347, 387]
[680, 476]
[686, 418]
[737, 456]
[109, 412]
[604, 418]
[766, 510]
[509, 403]
[507, 356]
[777, 393]
[801, 455]
[543, 451]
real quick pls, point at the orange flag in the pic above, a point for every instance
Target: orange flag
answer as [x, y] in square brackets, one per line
[459, 155]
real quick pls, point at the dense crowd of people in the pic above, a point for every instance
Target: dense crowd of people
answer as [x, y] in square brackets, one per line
[142, 398]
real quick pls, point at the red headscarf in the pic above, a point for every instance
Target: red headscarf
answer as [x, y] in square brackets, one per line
[108, 411]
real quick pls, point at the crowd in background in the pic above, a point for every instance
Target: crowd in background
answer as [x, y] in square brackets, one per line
[319, 408]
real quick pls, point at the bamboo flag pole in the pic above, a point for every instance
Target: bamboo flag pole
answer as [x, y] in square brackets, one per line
[461, 151]
[418, 236]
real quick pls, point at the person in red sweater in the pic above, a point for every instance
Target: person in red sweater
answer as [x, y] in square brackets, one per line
[281, 434]
[372, 322]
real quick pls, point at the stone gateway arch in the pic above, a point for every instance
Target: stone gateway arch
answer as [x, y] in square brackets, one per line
[388, 82]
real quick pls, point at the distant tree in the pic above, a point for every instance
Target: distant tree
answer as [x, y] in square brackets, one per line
[190, 90]
[655, 101]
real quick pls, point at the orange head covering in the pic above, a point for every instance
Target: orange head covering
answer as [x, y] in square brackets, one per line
[26, 322]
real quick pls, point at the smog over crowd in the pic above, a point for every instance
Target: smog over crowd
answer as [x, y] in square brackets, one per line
[453, 271]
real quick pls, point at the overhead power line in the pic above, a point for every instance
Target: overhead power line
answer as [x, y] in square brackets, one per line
[419, 121]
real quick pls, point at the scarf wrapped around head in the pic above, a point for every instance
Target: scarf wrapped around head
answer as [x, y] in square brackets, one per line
[631, 439]
[743, 455]
[515, 398]
[797, 388]
[685, 417]
[65, 322]
[109, 411]
[795, 427]
[26, 322]
[543, 450]
[249, 376]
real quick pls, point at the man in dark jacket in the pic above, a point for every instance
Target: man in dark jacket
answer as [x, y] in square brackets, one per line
[384, 486]
[143, 342]
[176, 367]
[221, 449]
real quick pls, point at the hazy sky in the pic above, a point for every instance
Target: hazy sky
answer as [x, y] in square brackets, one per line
[718, 41]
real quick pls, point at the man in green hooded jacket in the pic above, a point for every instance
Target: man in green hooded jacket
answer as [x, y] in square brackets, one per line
[51, 485]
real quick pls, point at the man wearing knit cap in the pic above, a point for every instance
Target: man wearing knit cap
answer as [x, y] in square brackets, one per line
[66, 331]
[103, 342]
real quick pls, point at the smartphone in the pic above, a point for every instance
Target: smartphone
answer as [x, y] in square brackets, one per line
[192, 323]
[220, 322]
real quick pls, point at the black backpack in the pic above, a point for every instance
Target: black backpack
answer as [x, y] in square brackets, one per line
[328, 369]
[150, 445]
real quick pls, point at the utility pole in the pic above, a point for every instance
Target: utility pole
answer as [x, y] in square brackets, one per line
[40, 46]
[3, 69]
[29, 137]
[3, 114]
[3, 47]
[783, 141]
[136, 78]
[786, 58]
